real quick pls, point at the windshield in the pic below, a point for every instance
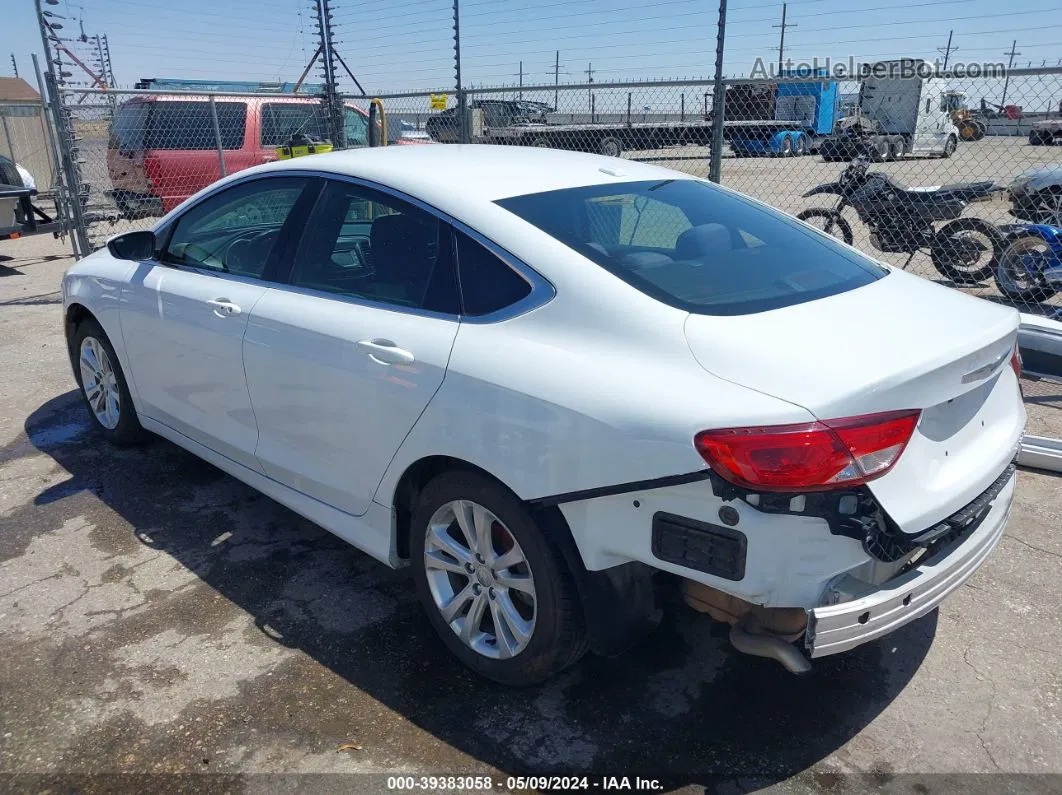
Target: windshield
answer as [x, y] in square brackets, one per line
[696, 247]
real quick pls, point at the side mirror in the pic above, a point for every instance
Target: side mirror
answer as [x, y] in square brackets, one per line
[134, 246]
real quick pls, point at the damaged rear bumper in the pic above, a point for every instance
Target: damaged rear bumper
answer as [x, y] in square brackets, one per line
[840, 627]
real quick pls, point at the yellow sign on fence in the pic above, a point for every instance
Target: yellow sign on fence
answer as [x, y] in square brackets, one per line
[438, 101]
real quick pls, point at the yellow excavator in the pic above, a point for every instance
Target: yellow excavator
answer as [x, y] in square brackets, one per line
[969, 127]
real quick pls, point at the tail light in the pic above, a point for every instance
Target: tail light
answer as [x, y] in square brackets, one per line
[1015, 361]
[814, 456]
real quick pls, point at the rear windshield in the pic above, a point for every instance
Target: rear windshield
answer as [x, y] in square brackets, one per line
[695, 247]
[177, 125]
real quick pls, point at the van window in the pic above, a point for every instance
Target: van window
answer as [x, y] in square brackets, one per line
[129, 126]
[356, 128]
[188, 125]
[281, 120]
[696, 247]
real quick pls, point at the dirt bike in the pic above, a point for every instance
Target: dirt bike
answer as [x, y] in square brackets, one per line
[901, 219]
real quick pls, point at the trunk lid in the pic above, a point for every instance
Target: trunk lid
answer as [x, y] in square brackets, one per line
[899, 343]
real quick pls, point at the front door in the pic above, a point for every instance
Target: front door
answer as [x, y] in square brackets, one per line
[341, 364]
[184, 316]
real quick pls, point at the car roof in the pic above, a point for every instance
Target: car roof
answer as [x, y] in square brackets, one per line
[448, 176]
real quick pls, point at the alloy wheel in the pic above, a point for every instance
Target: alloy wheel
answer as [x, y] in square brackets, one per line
[99, 382]
[480, 579]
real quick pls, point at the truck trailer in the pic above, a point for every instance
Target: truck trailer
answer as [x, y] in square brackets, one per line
[785, 118]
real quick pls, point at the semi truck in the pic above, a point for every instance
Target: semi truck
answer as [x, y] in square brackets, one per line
[899, 113]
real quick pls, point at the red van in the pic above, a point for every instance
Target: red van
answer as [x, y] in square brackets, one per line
[162, 149]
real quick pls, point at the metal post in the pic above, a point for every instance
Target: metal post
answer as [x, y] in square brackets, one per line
[462, 102]
[521, 94]
[628, 108]
[718, 100]
[65, 156]
[217, 137]
[593, 109]
[49, 131]
[682, 116]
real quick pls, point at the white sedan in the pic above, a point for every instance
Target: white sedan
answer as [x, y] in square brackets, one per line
[542, 379]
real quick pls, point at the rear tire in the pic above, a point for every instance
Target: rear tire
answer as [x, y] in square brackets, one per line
[610, 146]
[897, 147]
[1039, 138]
[828, 221]
[945, 254]
[879, 150]
[787, 146]
[1013, 279]
[103, 386]
[549, 632]
[802, 147]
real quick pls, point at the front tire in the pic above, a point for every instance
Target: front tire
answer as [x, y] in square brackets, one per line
[103, 385]
[495, 589]
[828, 221]
[959, 255]
[950, 146]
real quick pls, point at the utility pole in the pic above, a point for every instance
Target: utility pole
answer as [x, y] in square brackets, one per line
[107, 60]
[718, 99]
[101, 63]
[556, 80]
[1006, 83]
[589, 79]
[947, 51]
[14, 64]
[781, 41]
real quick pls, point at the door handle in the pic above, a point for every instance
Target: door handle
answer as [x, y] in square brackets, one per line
[385, 352]
[223, 307]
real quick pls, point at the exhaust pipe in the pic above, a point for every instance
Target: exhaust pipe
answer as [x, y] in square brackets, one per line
[747, 636]
[760, 631]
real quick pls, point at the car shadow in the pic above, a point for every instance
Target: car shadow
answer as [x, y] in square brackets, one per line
[682, 707]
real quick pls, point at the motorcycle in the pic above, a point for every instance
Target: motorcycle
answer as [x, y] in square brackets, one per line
[1030, 267]
[901, 220]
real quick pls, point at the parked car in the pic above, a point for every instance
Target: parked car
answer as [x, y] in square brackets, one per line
[547, 390]
[1036, 196]
[162, 148]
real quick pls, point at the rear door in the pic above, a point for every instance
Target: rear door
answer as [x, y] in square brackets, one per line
[184, 316]
[342, 362]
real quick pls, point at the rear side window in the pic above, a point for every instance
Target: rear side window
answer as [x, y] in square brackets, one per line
[487, 283]
[189, 125]
[281, 120]
[696, 247]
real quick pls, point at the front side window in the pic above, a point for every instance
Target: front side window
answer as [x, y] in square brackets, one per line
[696, 247]
[365, 244]
[235, 230]
[281, 120]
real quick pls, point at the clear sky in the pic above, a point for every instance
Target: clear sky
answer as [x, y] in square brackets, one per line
[407, 44]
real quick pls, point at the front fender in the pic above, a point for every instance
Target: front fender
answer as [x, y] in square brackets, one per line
[826, 187]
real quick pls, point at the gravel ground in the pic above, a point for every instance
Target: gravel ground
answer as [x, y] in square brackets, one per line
[164, 627]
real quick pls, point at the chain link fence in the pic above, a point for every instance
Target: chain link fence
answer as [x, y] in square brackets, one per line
[927, 174]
